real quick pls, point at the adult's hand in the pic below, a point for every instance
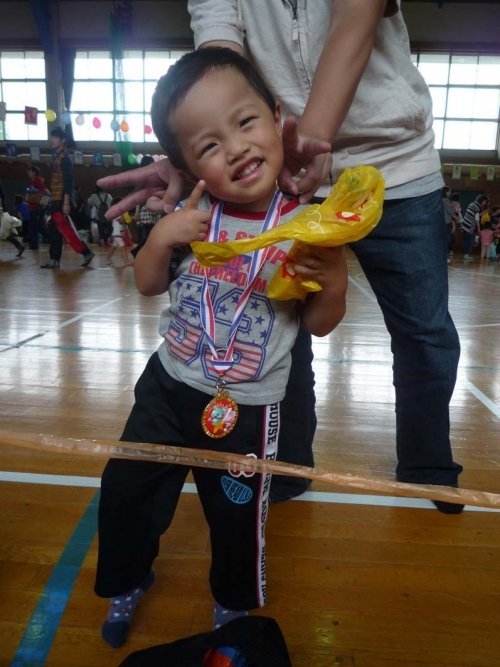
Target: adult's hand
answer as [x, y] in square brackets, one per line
[303, 152]
[158, 184]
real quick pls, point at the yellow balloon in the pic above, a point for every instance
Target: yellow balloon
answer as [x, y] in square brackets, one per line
[50, 115]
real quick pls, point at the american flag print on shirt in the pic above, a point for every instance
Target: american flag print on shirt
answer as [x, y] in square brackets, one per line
[186, 340]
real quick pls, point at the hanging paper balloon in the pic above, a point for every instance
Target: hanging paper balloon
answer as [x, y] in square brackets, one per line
[139, 157]
[132, 159]
[80, 119]
[124, 126]
[115, 126]
[147, 129]
[96, 122]
[66, 118]
[50, 115]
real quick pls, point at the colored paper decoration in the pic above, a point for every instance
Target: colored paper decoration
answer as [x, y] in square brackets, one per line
[80, 119]
[96, 122]
[124, 127]
[30, 116]
[115, 126]
[66, 118]
[147, 129]
[131, 158]
[50, 115]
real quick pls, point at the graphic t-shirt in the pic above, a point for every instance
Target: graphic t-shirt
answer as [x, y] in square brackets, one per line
[267, 330]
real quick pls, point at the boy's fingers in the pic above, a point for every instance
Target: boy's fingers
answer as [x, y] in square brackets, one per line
[194, 198]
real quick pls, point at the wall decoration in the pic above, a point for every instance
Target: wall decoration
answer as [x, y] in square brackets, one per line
[11, 150]
[34, 154]
[78, 157]
[30, 116]
[98, 159]
[80, 119]
[50, 115]
[117, 159]
[457, 172]
[490, 173]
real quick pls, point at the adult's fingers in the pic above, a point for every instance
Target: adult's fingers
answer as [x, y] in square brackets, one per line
[132, 178]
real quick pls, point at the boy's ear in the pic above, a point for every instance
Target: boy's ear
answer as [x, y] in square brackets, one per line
[188, 176]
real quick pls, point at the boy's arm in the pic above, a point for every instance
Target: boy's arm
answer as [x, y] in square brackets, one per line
[151, 267]
[322, 311]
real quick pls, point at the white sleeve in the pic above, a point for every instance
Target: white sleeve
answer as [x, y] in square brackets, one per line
[215, 20]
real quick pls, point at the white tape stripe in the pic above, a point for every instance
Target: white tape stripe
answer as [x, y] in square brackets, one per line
[309, 496]
[487, 402]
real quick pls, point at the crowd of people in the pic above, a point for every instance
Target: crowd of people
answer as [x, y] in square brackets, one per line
[478, 226]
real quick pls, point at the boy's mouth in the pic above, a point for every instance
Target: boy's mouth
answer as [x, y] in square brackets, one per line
[247, 170]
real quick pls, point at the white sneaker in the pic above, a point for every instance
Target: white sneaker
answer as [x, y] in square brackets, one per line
[468, 258]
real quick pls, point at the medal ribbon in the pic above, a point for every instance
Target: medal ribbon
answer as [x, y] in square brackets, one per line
[207, 315]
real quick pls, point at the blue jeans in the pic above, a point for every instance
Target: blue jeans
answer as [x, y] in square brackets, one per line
[404, 260]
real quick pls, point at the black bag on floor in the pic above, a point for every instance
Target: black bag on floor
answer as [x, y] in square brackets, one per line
[257, 638]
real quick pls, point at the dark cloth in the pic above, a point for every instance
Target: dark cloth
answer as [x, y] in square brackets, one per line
[298, 421]
[259, 638]
[139, 498]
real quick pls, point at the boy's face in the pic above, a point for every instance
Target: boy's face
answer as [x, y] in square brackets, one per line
[230, 138]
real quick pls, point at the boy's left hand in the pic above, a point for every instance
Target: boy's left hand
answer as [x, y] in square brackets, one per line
[327, 266]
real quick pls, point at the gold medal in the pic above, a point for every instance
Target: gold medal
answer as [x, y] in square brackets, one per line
[220, 416]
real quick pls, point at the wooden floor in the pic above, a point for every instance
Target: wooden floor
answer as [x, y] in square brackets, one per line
[354, 583]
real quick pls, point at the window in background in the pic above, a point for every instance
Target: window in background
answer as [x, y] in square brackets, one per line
[112, 94]
[22, 83]
[465, 90]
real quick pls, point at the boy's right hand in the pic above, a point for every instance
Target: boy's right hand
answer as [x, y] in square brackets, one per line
[186, 224]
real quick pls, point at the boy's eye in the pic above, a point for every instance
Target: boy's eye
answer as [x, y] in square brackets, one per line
[208, 147]
[247, 120]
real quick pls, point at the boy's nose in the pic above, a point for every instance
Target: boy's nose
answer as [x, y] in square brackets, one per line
[235, 148]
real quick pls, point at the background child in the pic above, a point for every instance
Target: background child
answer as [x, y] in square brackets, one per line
[219, 123]
[118, 240]
[8, 230]
[486, 237]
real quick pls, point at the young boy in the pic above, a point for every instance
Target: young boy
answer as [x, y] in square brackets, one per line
[220, 125]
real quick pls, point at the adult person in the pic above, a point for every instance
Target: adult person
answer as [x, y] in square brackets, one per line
[61, 227]
[344, 68]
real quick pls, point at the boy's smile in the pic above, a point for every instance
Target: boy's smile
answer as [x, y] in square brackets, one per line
[231, 139]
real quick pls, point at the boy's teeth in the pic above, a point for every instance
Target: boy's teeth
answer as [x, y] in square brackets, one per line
[249, 169]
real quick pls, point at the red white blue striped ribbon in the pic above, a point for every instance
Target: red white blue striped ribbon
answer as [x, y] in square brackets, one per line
[222, 363]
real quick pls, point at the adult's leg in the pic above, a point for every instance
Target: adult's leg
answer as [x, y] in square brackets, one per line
[298, 421]
[404, 259]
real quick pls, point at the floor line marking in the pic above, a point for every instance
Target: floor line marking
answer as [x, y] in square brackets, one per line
[62, 325]
[487, 402]
[38, 637]
[189, 488]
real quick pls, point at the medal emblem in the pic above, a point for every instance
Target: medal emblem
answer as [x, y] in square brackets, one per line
[220, 416]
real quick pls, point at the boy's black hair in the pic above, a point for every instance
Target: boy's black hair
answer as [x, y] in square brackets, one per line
[34, 169]
[173, 87]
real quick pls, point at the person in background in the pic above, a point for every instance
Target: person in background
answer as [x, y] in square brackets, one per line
[214, 115]
[344, 75]
[118, 241]
[23, 213]
[486, 236]
[449, 215]
[61, 226]
[471, 224]
[38, 198]
[8, 230]
[98, 204]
